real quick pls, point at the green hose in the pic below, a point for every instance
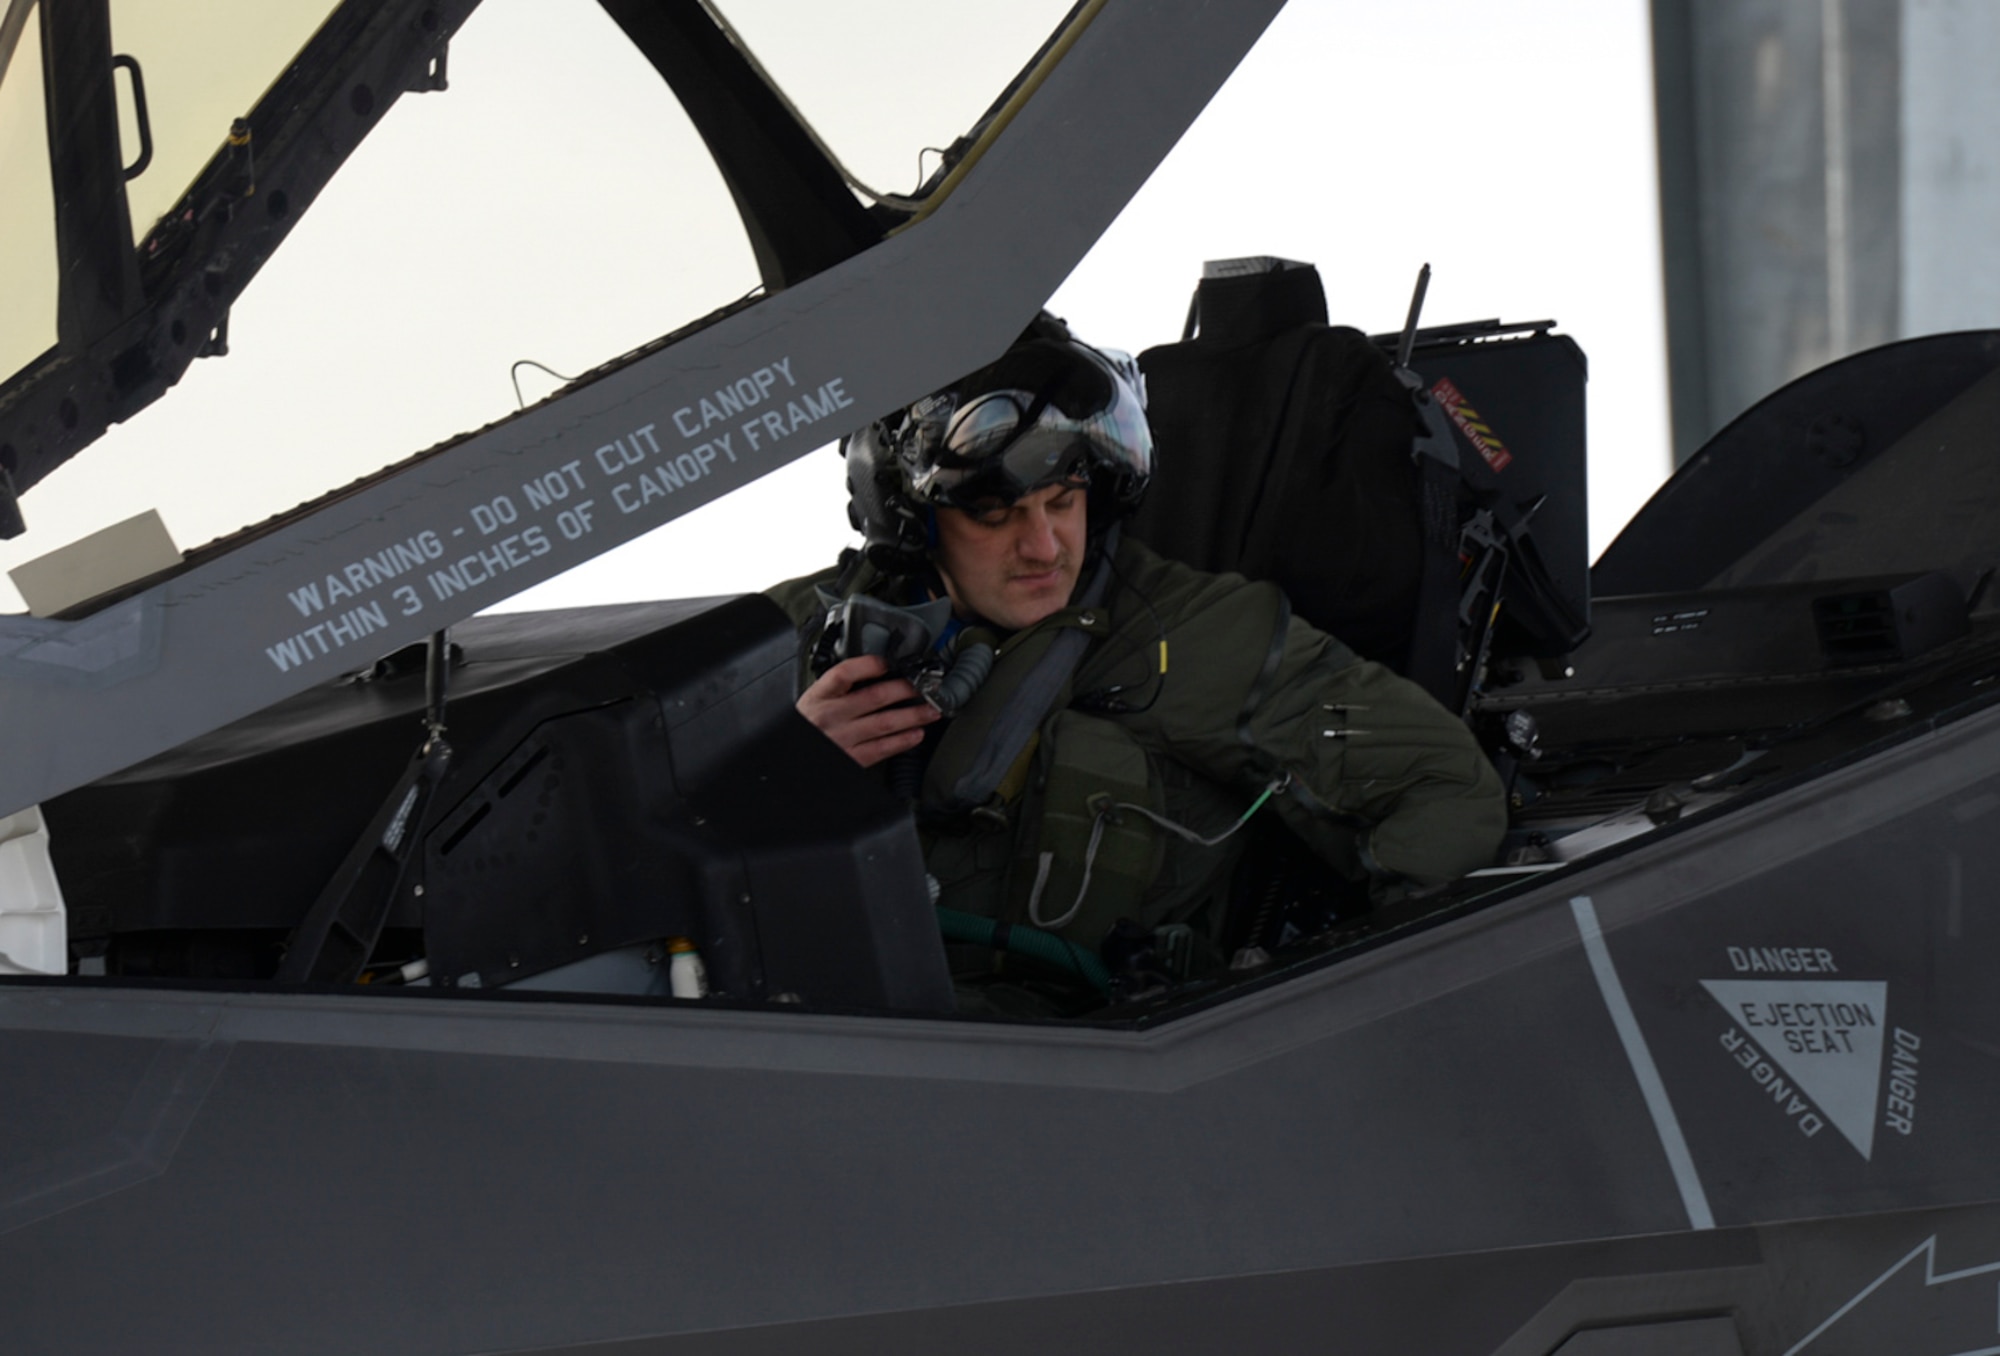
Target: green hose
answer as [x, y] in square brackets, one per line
[973, 930]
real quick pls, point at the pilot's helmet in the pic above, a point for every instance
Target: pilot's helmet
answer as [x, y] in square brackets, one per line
[1051, 410]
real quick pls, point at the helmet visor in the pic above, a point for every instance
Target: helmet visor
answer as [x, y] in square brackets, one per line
[997, 448]
[1003, 444]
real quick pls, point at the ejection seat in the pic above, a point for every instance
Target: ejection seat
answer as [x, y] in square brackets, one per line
[1419, 495]
[1423, 511]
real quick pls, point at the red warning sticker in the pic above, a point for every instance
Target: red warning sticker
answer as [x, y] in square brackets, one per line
[1482, 438]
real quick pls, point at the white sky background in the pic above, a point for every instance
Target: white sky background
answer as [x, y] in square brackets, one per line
[553, 205]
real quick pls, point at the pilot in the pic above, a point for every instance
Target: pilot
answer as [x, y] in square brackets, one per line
[1115, 718]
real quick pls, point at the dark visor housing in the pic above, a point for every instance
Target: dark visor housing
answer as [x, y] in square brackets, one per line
[1049, 412]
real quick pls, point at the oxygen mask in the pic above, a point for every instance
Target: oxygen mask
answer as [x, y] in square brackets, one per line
[907, 639]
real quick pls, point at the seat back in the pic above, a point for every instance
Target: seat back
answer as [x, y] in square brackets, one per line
[1283, 449]
[1285, 452]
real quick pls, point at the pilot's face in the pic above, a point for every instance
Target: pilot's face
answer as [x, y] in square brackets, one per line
[1013, 564]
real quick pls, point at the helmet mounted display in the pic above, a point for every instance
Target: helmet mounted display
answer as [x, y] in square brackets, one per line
[1049, 411]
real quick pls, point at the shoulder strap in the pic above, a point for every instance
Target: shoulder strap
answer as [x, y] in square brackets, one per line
[1022, 710]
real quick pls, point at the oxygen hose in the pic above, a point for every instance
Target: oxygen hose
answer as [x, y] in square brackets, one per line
[971, 667]
[973, 930]
[968, 671]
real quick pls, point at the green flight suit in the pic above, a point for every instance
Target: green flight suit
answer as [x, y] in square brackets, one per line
[1194, 694]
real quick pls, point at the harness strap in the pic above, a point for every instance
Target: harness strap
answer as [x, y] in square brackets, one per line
[1261, 687]
[1031, 701]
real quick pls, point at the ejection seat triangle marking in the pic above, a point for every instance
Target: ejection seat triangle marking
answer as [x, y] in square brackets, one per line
[1827, 1037]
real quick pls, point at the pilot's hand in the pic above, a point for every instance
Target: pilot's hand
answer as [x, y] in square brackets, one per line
[864, 712]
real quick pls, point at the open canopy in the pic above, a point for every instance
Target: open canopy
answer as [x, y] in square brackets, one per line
[153, 161]
[862, 299]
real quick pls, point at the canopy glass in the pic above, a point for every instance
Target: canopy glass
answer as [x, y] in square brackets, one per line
[555, 204]
[27, 197]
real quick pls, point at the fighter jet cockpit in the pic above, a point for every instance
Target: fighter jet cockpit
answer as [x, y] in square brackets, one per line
[398, 952]
[294, 756]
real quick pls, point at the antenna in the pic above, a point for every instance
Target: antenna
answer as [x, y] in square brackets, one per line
[1409, 339]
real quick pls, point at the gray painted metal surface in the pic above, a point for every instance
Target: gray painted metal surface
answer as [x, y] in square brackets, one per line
[525, 499]
[1810, 976]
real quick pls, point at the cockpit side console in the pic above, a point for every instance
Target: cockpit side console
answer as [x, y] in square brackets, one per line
[622, 776]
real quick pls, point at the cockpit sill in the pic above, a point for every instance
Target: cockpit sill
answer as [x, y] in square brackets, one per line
[1946, 696]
